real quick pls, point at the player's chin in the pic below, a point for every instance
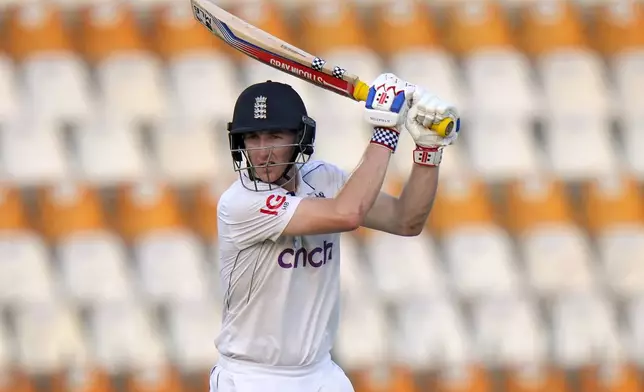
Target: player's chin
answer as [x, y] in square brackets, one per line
[269, 174]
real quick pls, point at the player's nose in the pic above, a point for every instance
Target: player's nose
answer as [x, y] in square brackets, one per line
[263, 152]
[263, 142]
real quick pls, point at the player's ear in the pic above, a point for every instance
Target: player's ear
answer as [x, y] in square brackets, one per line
[307, 139]
[236, 144]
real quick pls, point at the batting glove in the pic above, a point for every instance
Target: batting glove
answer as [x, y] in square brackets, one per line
[427, 109]
[386, 108]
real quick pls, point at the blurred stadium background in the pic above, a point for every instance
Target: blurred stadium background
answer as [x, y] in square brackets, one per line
[529, 277]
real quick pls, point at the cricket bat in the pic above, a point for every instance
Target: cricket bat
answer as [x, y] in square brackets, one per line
[285, 57]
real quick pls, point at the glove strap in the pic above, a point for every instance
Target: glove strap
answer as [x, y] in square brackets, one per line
[386, 137]
[428, 156]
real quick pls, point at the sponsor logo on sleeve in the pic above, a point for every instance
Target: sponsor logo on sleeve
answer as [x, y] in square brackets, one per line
[273, 204]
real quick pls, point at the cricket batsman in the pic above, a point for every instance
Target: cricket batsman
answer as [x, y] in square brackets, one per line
[280, 223]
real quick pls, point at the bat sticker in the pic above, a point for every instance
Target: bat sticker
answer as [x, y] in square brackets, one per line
[203, 17]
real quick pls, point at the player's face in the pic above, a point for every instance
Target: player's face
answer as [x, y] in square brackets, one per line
[270, 152]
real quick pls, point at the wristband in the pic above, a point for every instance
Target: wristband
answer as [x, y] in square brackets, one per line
[387, 137]
[428, 156]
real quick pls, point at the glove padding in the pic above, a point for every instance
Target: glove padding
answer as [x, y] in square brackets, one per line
[388, 103]
[427, 109]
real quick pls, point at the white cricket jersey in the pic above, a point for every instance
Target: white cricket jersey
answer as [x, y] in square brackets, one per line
[281, 294]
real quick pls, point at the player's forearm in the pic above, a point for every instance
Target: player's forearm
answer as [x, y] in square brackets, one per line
[363, 186]
[417, 198]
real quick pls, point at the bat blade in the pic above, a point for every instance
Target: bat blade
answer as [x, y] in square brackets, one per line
[272, 51]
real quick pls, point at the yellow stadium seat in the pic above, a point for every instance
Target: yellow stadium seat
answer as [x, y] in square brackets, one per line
[460, 202]
[617, 378]
[467, 379]
[574, 86]
[25, 271]
[547, 26]
[9, 105]
[390, 379]
[575, 89]
[614, 212]
[174, 140]
[353, 282]
[67, 209]
[532, 202]
[135, 336]
[555, 250]
[145, 207]
[167, 253]
[480, 33]
[72, 219]
[187, 324]
[333, 31]
[204, 214]
[54, 80]
[618, 35]
[176, 32]
[331, 25]
[266, 16]
[394, 184]
[550, 380]
[197, 63]
[406, 34]
[400, 168]
[54, 324]
[401, 26]
[33, 136]
[197, 382]
[618, 27]
[477, 250]
[155, 380]
[612, 201]
[3, 43]
[475, 25]
[108, 28]
[13, 214]
[363, 335]
[422, 277]
[16, 381]
[35, 28]
[82, 381]
[129, 75]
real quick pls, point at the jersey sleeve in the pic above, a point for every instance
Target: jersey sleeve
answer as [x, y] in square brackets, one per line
[339, 176]
[250, 219]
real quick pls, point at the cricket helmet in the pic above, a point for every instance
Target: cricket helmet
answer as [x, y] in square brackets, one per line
[270, 106]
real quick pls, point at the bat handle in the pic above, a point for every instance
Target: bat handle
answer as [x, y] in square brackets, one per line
[444, 128]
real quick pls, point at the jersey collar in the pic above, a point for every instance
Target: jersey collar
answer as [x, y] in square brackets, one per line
[302, 187]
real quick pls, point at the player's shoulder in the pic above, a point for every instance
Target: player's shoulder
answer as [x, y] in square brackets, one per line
[237, 200]
[318, 168]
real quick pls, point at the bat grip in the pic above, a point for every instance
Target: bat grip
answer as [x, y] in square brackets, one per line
[443, 129]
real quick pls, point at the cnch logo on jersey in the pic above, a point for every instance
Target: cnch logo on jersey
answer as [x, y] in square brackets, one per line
[273, 204]
[303, 257]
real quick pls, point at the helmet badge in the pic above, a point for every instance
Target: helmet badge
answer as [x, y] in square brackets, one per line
[260, 107]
